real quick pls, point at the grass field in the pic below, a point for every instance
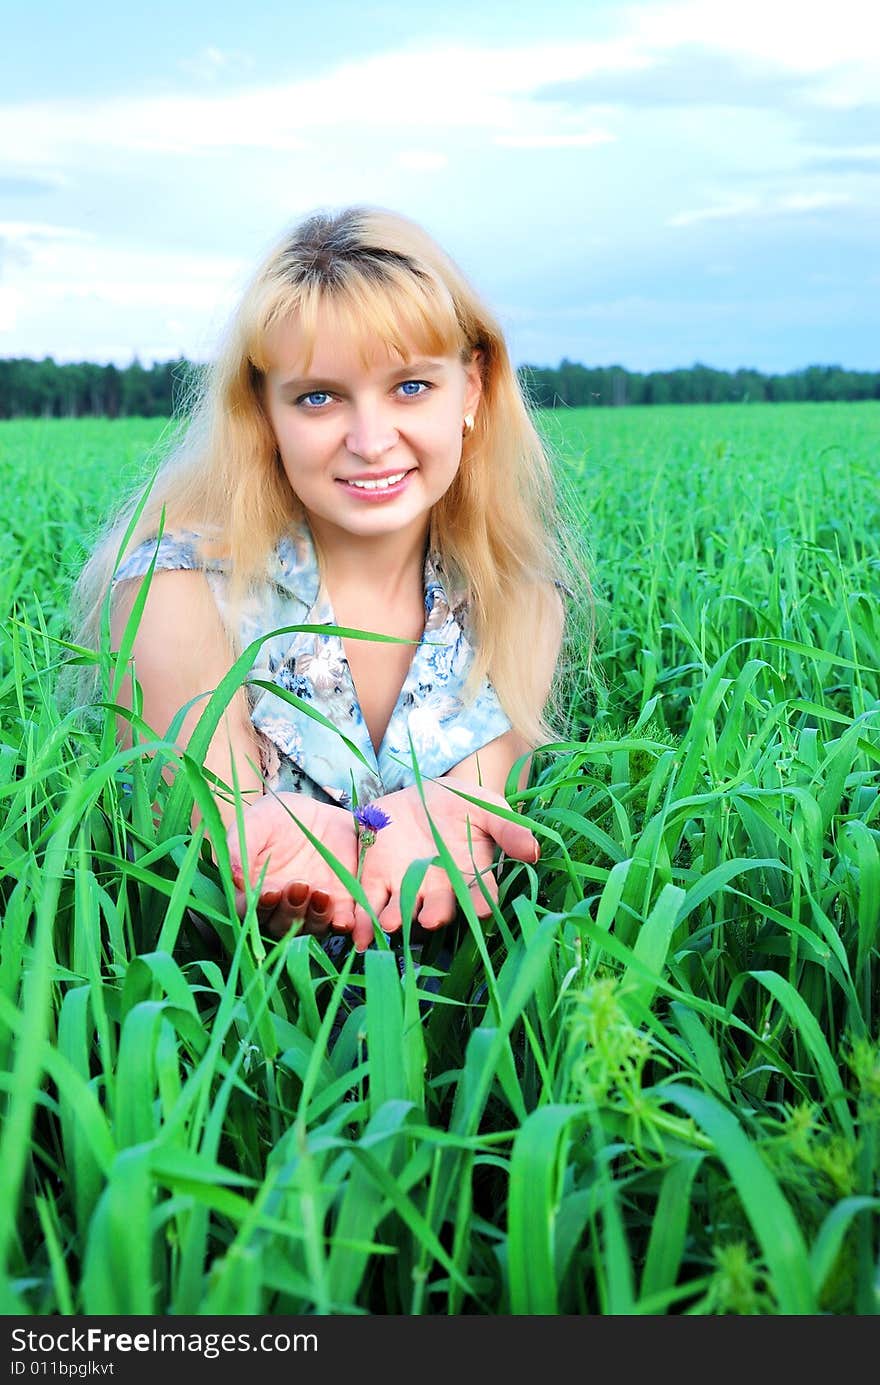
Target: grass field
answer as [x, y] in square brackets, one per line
[650, 1084]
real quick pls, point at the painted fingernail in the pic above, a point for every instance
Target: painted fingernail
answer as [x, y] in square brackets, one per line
[297, 894]
[320, 901]
[270, 898]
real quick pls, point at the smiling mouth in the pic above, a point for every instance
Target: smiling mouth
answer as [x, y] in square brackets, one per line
[382, 483]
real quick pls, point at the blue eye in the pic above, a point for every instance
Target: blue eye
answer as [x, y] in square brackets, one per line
[314, 400]
[413, 388]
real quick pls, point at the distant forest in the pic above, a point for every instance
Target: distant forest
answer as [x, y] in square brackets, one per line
[45, 389]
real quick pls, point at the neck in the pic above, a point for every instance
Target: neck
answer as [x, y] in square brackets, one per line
[383, 568]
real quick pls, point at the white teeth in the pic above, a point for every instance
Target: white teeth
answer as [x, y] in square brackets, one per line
[378, 485]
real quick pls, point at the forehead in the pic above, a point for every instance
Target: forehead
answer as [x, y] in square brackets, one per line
[330, 347]
[364, 322]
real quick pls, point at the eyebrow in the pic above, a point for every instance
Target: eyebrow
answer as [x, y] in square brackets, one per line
[407, 369]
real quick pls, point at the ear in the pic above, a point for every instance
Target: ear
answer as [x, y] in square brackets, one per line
[474, 382]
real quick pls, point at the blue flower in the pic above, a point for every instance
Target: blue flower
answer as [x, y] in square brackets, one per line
[371, 818]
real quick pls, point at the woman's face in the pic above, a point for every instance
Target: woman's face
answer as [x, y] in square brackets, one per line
[367, 448]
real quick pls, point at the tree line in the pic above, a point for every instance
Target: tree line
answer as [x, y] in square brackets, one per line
[45, 389]
[578, 386]
[30, 388]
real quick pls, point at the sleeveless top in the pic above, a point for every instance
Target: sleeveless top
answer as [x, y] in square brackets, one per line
[333, 759]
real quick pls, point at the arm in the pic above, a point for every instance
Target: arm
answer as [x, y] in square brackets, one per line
[471, 834]
[491, 765]
[181, 652]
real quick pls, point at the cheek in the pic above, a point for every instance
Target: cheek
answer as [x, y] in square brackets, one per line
[299, 446]
[445, 435]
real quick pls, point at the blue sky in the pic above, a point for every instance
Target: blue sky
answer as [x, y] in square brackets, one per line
[650, 184]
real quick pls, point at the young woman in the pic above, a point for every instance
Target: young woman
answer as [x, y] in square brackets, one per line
[361, 457]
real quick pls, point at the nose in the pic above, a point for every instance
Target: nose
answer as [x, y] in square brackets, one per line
[372, 432]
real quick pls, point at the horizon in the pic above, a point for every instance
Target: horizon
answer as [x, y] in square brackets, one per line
[518, 365]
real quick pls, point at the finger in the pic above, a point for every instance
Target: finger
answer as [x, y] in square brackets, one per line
[482, 905]
[320, 913]
[342, 919]
[514, 839]
[391, 919]
[378, 893]
[291, 906]
[363, 931]
[266, 902]
[438, 906]
[249, 845]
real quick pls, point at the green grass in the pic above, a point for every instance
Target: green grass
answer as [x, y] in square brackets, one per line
[650, 1083]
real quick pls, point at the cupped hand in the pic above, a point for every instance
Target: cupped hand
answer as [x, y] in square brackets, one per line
[409, 838]
[299, 885]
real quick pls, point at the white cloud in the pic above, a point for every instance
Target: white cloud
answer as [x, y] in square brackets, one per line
[10, 301]
[211, 63]
[28, 232]
[371, 92]
[421, 161]
[855, 154]
[584, 140]
[70, 256]
[24, 244]
[812, 201]
[723, 211]
[802, 35]
[366, 92]
[68, 276]
[756, 207]
[47, 131]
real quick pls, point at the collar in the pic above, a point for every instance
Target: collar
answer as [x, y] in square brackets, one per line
[293, 565]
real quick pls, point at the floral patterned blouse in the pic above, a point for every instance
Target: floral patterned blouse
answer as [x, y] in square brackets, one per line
[312, 733]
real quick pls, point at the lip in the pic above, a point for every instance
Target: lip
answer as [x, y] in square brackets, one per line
[375, 475]
[375, 497]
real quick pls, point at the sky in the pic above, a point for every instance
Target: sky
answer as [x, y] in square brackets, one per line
[649, 184]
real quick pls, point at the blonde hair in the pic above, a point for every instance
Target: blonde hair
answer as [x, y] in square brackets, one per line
[499, 526]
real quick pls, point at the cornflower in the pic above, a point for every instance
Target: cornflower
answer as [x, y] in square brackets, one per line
[370, 821]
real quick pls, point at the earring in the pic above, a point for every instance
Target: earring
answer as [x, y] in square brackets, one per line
[467, 426]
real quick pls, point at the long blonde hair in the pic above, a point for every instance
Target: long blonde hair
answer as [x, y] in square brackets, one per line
[499, 526]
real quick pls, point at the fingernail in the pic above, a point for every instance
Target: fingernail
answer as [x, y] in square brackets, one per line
[270, 898]
[537, 854]
[320, 901]
[297, 893]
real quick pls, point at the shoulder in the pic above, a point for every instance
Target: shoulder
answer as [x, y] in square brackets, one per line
[552, 624]
[179, 615]
[178, 550]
